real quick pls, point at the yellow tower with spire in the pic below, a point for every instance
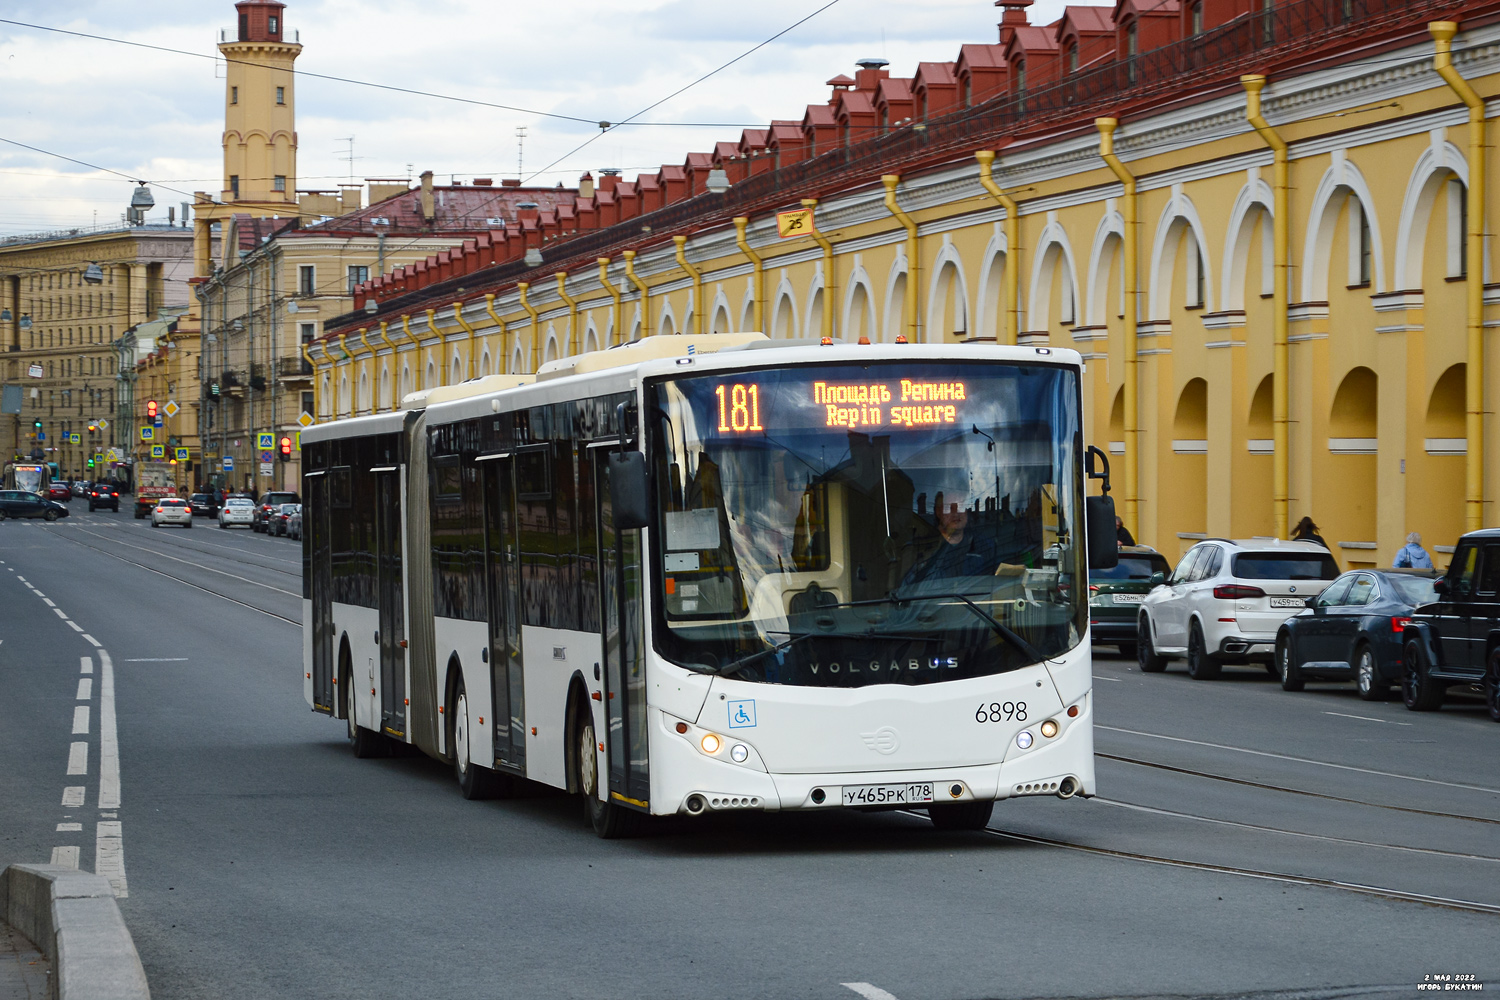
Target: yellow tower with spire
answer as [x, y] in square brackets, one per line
[260, 126]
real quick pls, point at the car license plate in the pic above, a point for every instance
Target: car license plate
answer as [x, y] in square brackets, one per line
[1288, 602]
[1129, 598]
[888, 795]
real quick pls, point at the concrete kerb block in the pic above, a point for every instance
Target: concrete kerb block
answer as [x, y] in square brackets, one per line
[73, 918]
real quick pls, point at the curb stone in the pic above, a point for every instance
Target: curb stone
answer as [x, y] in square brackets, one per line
[73, 918]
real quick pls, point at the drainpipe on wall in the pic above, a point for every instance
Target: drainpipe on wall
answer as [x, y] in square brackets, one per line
[307, 355]
[830, 286]
[912, 278]
[1281, 297]
[348, 361]
[758, 278]
[1131, 278]
[458, 314]
[489, 307]
[614, 293]
[986, 160]
[1442, 36]
[521, 288]
[629, 256]
[442, 346]
[396, 390]
[562, 291]
[364, 338]
[697, 276]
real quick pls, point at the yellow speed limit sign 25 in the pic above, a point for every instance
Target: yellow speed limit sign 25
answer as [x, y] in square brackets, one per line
[796, 223]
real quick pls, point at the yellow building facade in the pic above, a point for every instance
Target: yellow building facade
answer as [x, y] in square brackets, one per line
[1387, 311]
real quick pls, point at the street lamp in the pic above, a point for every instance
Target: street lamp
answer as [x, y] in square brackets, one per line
[94, 274]
[141, 202]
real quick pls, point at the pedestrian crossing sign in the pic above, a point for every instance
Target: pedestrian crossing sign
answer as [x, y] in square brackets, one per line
[265, 441]
[182, 454]
[158, 451]
[75, 438]
[148, 433]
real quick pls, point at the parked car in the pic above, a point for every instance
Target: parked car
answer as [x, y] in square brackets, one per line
[80, 488]
[171, 510]
[1226, 601]
[1354, 630]
[203, 504]
[60, 491]
[101, 495]
[1456, 638]
[1115, 596]
[294, 523]
[237, 510]
[268, 503]
[24, 503]
[279, 518]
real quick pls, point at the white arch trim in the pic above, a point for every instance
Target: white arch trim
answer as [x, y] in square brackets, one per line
[1431, 170]
[1340, 179]
[1109, 239]
[859, 278]
[1044, 262]
[1179, 208]
[1255, 200]
[946, 256]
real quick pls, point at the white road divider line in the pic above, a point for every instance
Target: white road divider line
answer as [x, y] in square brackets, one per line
[157, 659]
[48, 601]
[91, 639]
[109, 738]
[85, 688]
[60, 613]
[85, 664]
[81, 720]
[73, 796]
[78, 758]
[73, 625]
[70, 828]
[65, 856]
[869, 992]
[109, 856]
[1366, 718]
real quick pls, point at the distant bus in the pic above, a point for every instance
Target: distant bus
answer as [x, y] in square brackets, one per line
[33, 477]
[719, 573]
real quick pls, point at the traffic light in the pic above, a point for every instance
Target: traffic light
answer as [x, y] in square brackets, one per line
[36, 424]
[151, 409]
[286, 449]
[91, 463]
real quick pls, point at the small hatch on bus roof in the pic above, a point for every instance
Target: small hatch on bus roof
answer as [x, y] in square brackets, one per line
[647, 349]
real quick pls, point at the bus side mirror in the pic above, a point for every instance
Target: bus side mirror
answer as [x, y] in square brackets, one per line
[1104, 550]
[628, 495]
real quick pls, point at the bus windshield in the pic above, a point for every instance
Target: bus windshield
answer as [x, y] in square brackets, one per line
[855, 524]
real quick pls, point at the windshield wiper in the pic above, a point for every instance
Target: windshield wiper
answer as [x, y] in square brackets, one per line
[1004, 631]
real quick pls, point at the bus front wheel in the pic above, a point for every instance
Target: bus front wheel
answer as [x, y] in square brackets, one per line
[608, 820]
[960, 815]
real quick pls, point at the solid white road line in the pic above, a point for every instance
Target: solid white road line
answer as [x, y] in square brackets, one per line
[1366, 718]
[109, 856]
[85, 688]
[85, 664]
[109, 740]
[78, 758]
[157, 659]
[869, 992]
[81, 720]
[65, 856]
[1302, 760]
[73, 796]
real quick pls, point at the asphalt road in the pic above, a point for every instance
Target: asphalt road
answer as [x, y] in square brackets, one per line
[1246, 841]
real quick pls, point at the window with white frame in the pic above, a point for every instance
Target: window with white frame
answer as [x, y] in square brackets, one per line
[1361, 255]
[1458, 228]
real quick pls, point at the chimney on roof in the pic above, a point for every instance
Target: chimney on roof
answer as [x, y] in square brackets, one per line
[484, 182]
[510, 182]
[351, 198]
[1013, 18]
[871, 72]
[429, 209]
[528, 210]
[609, 179]
[586, 185]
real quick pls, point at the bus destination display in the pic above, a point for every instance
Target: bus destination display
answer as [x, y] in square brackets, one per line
[745, 408]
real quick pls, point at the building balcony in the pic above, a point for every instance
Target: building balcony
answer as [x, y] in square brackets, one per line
[293, 368]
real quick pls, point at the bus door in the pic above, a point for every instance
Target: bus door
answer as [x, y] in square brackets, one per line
[391, 598]
[503, 588]
[319, 539]
[620, 610]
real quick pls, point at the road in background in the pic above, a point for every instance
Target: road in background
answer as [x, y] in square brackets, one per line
[1245, 839]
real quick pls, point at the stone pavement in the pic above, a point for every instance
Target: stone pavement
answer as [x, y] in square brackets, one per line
[23, 970]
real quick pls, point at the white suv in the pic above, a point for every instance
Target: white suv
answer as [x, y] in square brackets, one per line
[1225, 601]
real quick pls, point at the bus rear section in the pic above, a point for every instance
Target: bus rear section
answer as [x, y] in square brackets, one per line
[796, 578]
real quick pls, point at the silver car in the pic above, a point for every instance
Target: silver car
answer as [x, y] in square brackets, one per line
[237, 510]
[171, 510]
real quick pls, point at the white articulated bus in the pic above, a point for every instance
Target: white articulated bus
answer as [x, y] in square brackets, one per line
[706, 573]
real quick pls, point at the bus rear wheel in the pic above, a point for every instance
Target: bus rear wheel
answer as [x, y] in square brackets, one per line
[610, 821]
[366, 743]
[960, 815]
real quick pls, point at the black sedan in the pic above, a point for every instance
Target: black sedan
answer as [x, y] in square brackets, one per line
[102, 495]
[204, 505]
[1353, 631]
[24, 503]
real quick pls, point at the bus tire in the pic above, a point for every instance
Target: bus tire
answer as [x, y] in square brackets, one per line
[960, 815]
[366, 743]
[474, 781]
[608, 820]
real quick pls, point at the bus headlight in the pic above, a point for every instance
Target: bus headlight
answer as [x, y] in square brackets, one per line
[739, 753]
[1023, 739]
[710, 743]
[1049, 729]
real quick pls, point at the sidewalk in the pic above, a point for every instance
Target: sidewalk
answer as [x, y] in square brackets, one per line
[24, 972]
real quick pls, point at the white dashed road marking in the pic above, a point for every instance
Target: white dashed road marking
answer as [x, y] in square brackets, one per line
[85, 664]
[81, 720]
[157, 659]
[65, 856]
[70, 828]
[78, 758]
[85, 688]
[869, 992]
[73, 796]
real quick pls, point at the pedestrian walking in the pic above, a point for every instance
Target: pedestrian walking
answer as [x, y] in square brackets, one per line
[1412, 555]
[1307, 531]
[1122, 533]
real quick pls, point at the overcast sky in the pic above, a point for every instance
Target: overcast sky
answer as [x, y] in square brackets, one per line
[159, 116]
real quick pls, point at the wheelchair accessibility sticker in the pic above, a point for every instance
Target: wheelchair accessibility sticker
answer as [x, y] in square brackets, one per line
[742, 714]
